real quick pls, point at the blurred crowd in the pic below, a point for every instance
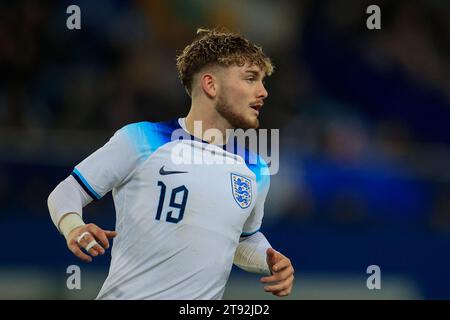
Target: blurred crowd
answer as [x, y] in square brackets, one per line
[363, 114]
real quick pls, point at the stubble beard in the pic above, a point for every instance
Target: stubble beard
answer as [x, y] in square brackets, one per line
[237, 120]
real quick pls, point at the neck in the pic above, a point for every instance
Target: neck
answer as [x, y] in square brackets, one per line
[210, 119]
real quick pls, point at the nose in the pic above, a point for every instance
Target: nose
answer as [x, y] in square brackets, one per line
[262, 92]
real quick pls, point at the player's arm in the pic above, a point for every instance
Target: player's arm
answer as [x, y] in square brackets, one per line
[65, 204]
[255, 254]
[106, 168]
[250, 253]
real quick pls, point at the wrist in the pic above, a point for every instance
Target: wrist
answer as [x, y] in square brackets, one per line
[69, 222]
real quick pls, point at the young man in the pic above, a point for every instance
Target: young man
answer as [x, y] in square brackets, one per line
[182, 224]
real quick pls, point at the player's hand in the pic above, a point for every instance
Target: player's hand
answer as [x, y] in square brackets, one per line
[91, 238]
[282, 279]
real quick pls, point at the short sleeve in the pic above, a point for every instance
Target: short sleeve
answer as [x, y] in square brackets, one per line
[113, 163]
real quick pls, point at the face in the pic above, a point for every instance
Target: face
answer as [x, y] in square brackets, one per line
[240, 95]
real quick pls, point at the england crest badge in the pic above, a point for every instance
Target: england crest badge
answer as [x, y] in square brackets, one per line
[242, 190]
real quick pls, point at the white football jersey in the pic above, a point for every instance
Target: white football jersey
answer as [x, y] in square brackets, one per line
[179, 211]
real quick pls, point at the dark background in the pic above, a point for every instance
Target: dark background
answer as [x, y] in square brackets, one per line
[363, 115]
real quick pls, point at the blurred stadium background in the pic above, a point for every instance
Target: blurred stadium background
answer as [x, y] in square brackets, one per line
[364, 118]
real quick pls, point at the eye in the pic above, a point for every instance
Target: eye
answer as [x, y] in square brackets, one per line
[251, 79]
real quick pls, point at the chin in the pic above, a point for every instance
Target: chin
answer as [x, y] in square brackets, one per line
[245, 123]
[255, 124]
[251, 125]
[238, 121]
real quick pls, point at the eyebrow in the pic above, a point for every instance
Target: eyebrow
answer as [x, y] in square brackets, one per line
[254, 72]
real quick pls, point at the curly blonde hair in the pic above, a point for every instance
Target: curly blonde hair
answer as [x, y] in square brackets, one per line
[219, 47]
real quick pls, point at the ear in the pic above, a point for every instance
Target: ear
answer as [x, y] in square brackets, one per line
[208, 83]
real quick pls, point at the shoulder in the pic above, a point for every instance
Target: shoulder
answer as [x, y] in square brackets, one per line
[147, 129]
[258, 165]
[146, 135]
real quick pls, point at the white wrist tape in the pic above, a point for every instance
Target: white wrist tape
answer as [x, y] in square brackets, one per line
[69, 222]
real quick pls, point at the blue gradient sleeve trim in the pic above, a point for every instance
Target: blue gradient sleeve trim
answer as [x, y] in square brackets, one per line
[146, 137]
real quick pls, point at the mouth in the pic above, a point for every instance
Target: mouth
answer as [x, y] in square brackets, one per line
[256, 107]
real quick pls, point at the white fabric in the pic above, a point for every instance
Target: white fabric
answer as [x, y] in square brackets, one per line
[67, 197]
[162, 252]
[251, 254]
